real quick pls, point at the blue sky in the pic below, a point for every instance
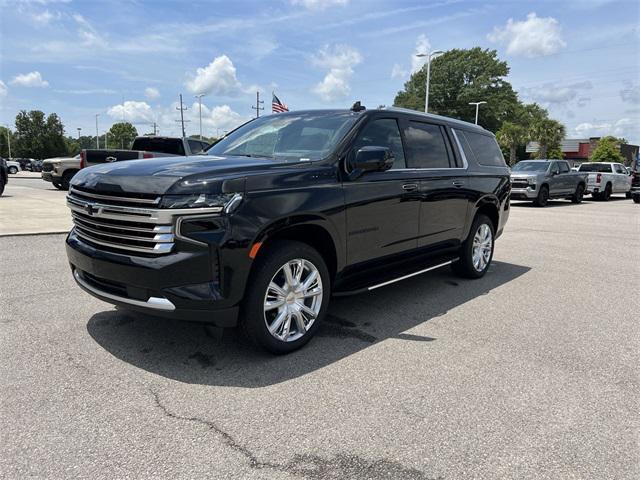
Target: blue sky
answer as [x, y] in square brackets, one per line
[580, 59]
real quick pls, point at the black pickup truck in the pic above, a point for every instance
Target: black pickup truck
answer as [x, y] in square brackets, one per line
[286, 211]
[146, 146]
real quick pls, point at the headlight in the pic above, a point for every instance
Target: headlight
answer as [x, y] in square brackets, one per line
[196, 200]
[531, 180]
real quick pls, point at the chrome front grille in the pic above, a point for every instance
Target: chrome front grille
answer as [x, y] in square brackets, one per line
[122, 223]
[128, 222]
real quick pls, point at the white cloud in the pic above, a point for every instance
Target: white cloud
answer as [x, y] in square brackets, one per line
[221, 117]
[533, 37]
[133, 112]
[219, 77]
[31, 79]
[151, 93]
[398, 72]
[340, 60]
[423, 47]
[319, 4]
[624, 127]
[551, 93]
[45, 17]
[631, 94]
[3, 89]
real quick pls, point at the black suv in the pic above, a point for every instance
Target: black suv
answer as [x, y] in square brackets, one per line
[285, 211]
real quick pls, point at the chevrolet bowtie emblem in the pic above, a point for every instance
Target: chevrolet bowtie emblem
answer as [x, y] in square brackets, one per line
[90, 209]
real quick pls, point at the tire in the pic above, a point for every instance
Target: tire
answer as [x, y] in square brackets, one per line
[543, 197]
[466, 266]
[627, 195]
[579, 195]
[258, 322]
[606, 195]
[636, 198]
[1, 186]
[58, 185]
[66, 180]
[13, 170]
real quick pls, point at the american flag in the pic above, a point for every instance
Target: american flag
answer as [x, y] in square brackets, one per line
[277, 106]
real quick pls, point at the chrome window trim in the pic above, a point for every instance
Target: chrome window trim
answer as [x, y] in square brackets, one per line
[155, 303]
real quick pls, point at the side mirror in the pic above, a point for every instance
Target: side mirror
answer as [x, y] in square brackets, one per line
[370, 159]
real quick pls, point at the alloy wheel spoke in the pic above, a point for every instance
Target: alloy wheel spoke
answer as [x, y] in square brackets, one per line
[310, 313]
[287, 327]
[309, 280]
[280, 293]
[302, 327]
[275, 326]
[288, 274]
[313, 293]
[274, 304]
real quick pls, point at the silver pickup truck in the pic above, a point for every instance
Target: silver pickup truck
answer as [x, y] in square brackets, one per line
[541, 180]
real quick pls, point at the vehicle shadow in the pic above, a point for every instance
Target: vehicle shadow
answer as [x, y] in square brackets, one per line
[550, 204]
[182, 351]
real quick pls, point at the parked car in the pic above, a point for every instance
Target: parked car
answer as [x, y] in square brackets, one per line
[634, 193]
[60, 170]
[146, 147]
[4, 174]
[34, 165]
[606, 179]
[285, 211]
[541, 180]
[13, 167]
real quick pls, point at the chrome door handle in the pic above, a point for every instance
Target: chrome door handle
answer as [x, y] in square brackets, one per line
[458, 184]
[409, 186]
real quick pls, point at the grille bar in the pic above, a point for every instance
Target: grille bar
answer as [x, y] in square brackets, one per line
[159, 248]
[120, 199]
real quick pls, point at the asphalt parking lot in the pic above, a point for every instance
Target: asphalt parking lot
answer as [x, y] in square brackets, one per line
[530, 372]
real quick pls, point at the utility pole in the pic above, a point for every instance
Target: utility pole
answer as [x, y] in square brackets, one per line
[79, 128]
[155, 128]
[257, 108]
[182, 108]
[97, 134]
[199, 97]
[9, 140]
[426, 93]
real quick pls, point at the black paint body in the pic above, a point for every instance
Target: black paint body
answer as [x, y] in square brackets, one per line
[363, 227]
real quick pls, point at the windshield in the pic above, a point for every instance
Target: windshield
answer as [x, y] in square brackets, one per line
[595, 167]
[530, 167]
[289, 137]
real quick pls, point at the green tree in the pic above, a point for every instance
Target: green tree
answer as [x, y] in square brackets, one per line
[607, 150]
[511, 136]
[37, 136]
[459, 77]
[122, 134]
[548, 133]
[73, 146]
[6, 137]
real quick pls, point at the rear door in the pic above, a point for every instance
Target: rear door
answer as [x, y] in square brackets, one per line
[382, 208]
[443, 183]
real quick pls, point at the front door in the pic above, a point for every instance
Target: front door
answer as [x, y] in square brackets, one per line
[382, 207]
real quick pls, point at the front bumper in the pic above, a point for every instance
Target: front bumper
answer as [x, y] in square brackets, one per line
[523, 193]
[183, 285]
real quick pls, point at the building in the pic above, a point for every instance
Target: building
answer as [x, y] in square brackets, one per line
[578, 150]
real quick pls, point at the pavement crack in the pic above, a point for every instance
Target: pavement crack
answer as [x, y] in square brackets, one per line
[226, 437]
[315, 467]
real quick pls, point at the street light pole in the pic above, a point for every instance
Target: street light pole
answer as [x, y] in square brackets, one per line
[199, 97]
[477, 104]
[9, 140]
[429, 56]
[79, 128]
[97, 134]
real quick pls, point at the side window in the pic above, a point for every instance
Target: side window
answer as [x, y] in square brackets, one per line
[195, 146]
[486, 149]
[383, 132]
[564, 167]
[426, 146]
[554, 167]
[619, 168]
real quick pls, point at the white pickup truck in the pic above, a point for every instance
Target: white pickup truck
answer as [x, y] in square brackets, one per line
[606, 179]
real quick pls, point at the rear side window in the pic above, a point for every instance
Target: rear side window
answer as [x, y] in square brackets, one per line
[195, 146]
[383, 132]
[160, 145]
[485, 149]
[426, 146]
[596, 167]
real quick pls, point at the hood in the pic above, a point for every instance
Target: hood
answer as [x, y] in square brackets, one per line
[174, 175]
[56, 159]
[525, 174]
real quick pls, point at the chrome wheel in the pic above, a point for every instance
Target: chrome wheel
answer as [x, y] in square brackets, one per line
[293, 300]
[482, 245]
